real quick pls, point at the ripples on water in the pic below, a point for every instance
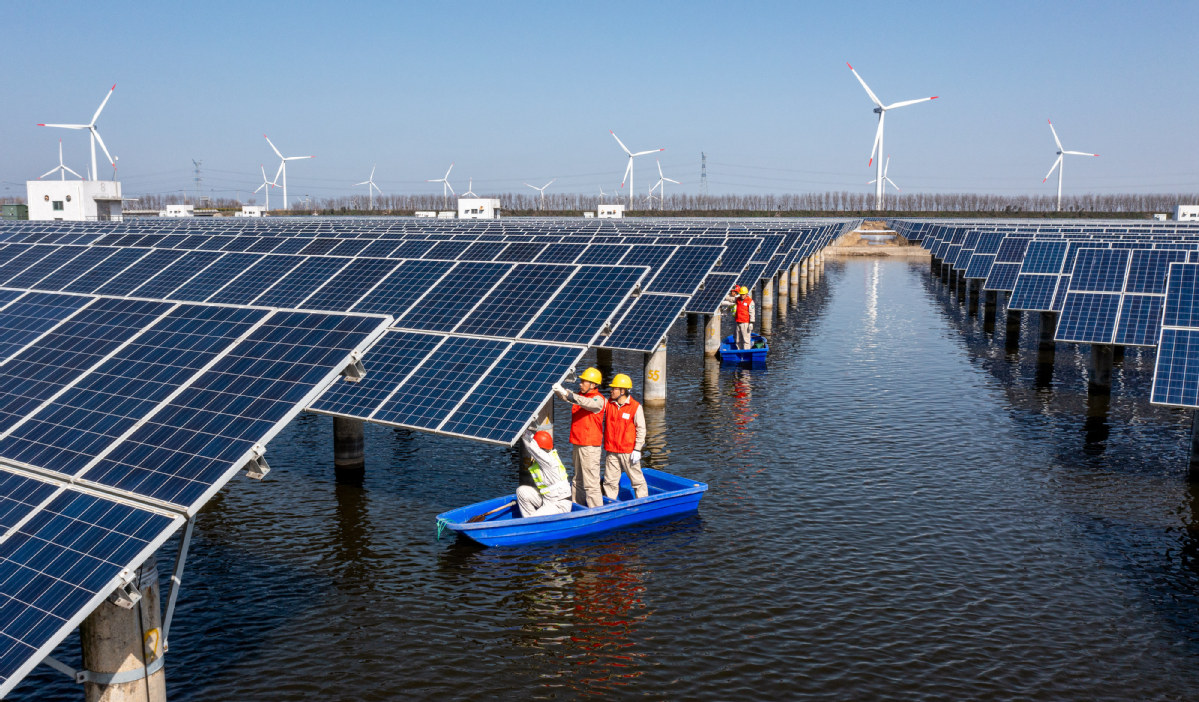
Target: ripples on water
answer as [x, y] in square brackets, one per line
[899, 507]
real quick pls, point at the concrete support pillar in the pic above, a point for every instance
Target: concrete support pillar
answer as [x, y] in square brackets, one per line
[1012, 331]
[712, 334]
[784, 286]
[712, 392]
[972, 288]
[1046, 346]
[934, 266]
[960, 282]
[793, 288]
[767, 294]
[603, 361]
[348, 445]
[990, 298]
[793, 273]
[945, 274]
[117, 640]
[1193, 472]
[654, 389]
[805, 269]
[1100, 378]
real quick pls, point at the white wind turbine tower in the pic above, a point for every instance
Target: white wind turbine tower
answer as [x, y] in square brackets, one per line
[541, 205]
[371, 187]
[1059, 164]
[445, 183]
[886, 167]
[268, 184]
[877, 149]
[470, 191]
[628, 171]
[602, 193]
[283, 167]
[61, 167]
[661, 185]
[91, 127]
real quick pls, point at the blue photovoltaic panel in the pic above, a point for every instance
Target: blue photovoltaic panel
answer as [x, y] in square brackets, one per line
[737, 255]
[24, 260]
[44, 267]
[512, 392]
[63, 354]
[560, 253]
[1099, 270]
[190, 446]
[521, 252]
[81, 264]
[751, 275]
[195, 241]
[31, 316]
[516, 300]
[650, 255]
[1176, 375]
[292, 288]
[1147, 272]
[603, 254]
[1011, 249]
[381, 248]
[1002, 276]
[214, 277]
[1088, 318]
[350, 247]
[244, 288]
[349, 285]
[176, 274]
[1140, 320]
[1182, 303]
[577, 313]
[441, 308]
[1059, 296]
[102, 405]
[291, 246]
[106, 271]
[1044, 256]
[413, 249]
[137, 274]
[441, 383]
[685, 270]
[239, 243]
[403, 288]
[646, 323]
[10, 251]
[60, 563]
[319, 246]
[980, 266]
[447, 250]
[390, 360]
[1033, 292]
[716, 289]
[482, 251]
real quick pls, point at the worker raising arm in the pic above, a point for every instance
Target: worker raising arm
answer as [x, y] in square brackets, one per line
[552, 492]
[743, 314]
[586, 435]
[624, 435]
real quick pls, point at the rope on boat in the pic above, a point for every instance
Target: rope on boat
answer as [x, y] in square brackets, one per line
[441, 525]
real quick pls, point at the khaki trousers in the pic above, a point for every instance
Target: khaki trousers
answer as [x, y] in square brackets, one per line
[745, 337]
[617, 463]
[586, 481]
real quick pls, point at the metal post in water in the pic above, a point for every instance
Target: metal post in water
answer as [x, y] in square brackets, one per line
[712, 335]
[126, 641]
[972, 288]
[1193, 472]
[654, 392]
[348, 445]
[990, 298]
[1100, 379]
[603, 361]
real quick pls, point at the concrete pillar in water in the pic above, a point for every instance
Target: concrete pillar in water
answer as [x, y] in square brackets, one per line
[119, 640]
[1100, 379]
[654, 392]
[934, 266]
[712, 335]
[963, 297]
[805, 269]
[1012, 332]
[784, 286]
[793, 288]
[972, 288]
[1046, 346]
[793, 273]
[1193, 473]
[712, 380]
[603, 361]
[348, 445]
[767, 294]
[945, 274]
[990, 300]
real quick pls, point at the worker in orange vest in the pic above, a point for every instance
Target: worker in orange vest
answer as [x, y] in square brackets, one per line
[624, 436]
[586, 435]
[743, 315]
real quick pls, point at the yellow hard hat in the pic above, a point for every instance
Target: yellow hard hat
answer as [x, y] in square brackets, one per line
[620, 380]
[592, 375]
[744, 290]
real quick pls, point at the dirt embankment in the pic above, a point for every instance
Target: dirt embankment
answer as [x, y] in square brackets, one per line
[852, 244]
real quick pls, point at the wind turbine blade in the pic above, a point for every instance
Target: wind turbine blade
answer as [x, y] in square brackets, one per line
[548, 184]
[66, 126]
[52, 170]
[618, 141]
[102, 104]
[878, 134]
[262, 168]
[372, 178]
[659, 168]
[651, 151]
[278, 172]
[365, 182]
[867, 87]
[871, 181]
[297, 158]
[531, 186]
[905, 103]
[447, 184]
[886, 166]
[1078, 153]
[1053, 168]
[1055, 139]
[447, 171]
[893, 185]
[377, 189]
[260, 187]
[68, 170]
[100, 141]
[671, 180]
[268, 140]
[628, 169]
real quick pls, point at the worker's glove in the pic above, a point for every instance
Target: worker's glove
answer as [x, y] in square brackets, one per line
[561, 391]
[636, 457]
[528, 434]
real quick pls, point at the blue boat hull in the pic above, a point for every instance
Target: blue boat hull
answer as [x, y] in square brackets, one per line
[669, 495]
[729, 353]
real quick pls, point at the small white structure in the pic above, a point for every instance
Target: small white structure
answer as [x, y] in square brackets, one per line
[74, 200]
[588, 215]
[447, 214]
[1182, 213]
[1161, 216]
[478, 208]
[426, 213]
[178, 211]
[251, 211]
[611, 211]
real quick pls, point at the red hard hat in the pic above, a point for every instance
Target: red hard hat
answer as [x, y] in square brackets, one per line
[544, 440]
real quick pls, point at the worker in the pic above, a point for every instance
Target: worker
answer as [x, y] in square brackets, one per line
[586, 435]
[624, 435]
[743, 314]
[550, 492]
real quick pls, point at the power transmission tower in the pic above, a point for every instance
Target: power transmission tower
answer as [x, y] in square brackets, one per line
[197, 178]
[703, 174]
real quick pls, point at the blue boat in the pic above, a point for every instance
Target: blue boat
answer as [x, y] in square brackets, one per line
[754, 355]
[669, 495]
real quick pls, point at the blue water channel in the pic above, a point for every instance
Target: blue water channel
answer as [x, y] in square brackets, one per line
[903, 505]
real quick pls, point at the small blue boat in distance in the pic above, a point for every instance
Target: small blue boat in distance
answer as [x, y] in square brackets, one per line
[669, 495]
[754, 355]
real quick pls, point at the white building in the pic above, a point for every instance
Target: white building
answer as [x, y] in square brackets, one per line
[611, 211]
[251, 211]
[74, 200]
[447, 214]
[1161, 216]
[478, 208]
[1182, 213]
[178, 211]
[426, 214]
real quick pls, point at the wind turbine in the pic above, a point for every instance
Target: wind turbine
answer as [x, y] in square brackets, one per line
[1059, 163]
[628, 171]
[60, 167]
[886, 166]
[470, 184]
[881, 110]
[660, 185]
[445, 183]
[91, 127]
[541, 205]
[602, 193]
[268, 184]
[283, 167]
[371, 187]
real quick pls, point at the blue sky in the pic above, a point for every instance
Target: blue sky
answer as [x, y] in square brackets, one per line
[520, 91]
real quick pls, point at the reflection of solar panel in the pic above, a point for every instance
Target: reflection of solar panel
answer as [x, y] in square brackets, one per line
[646, 322]
[1176, 374]
[716, 288]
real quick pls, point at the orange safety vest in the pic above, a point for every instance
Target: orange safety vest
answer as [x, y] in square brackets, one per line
[743, 305]
[586, 427]
[620, 434]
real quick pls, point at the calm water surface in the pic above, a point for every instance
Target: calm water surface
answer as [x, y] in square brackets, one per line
[902, 506]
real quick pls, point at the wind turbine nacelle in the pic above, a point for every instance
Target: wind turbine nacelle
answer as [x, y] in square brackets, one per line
[878, 110]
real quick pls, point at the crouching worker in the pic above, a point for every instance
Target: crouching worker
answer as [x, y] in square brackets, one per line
[624, 436]
[552, 492]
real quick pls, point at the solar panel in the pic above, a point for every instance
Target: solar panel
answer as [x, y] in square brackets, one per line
[44, 267]
[591, 297]
[31, 316]
[443, 307]
[137, 274]
[319, 246]
[403, 288]
[77, 267]
[1002, 276]
[737, 255]
[441, 383]
[560, 253]
[1140, 320]
[523, 252]
[685, 270]
[751, 275]
[645, 324]
[716, 288]
[292, 288]
[392, 358]
[203, 285]
[349, 285]
[603, 254]
[175, 274]
[448, 250]
[1176, 374]
[515, 300]
[254, 280]
[105, 271]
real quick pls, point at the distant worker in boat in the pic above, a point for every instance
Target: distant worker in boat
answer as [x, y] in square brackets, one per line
[743, 315]
[624, 435]
[586, 435]
[550, 493]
